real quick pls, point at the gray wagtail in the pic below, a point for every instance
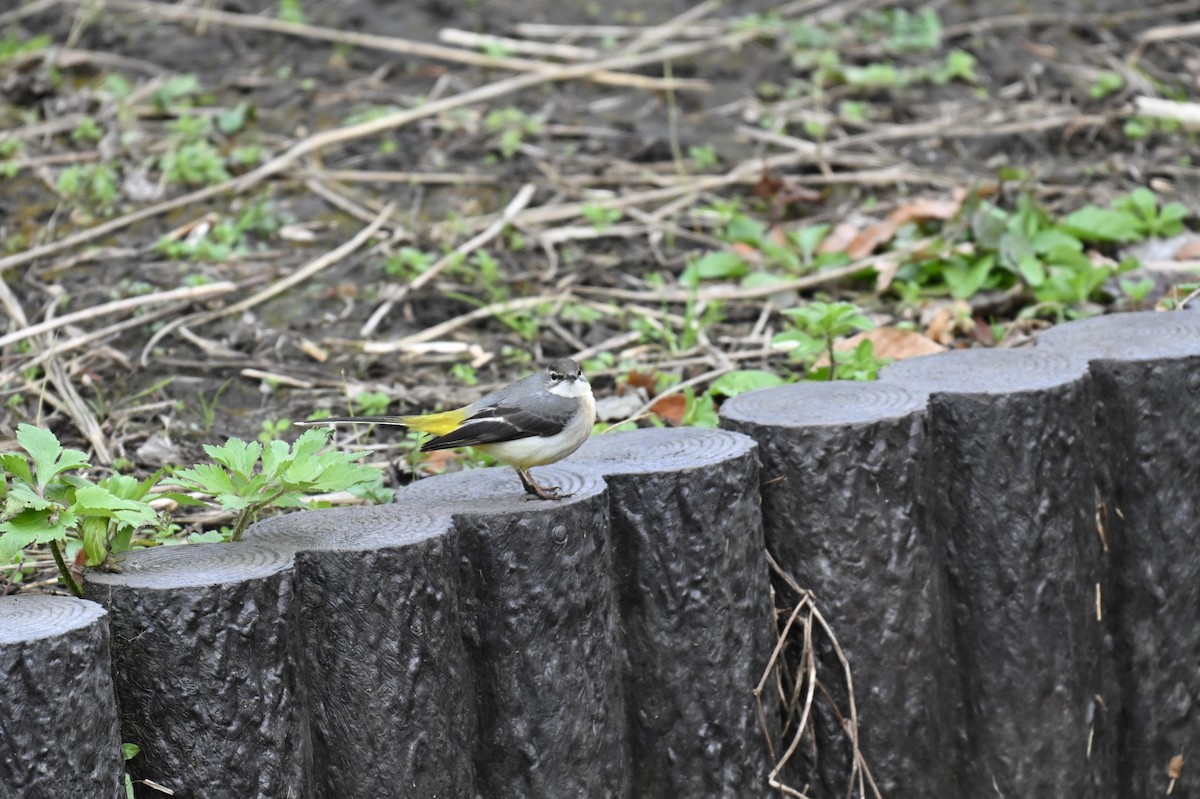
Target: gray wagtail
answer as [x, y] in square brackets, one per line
[537, 420]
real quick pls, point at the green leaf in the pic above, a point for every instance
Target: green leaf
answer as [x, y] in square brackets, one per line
[744, 229]
[240, 456]
[1015, 247]
[233, 501]
[207, 477]
[719, 265]
[1032, 270]
[740, 381]
[95, 500]
[1047, 240]
[699, 410]
[13, 541]
[964, 278]
[130, 751]
[1101, 224]
[808, 238]
[182, 499]
[988, 225]
[803, 345]
[15, 464]
[38, 526]
[209, 537]
[49, 457]
[274, 455]
[1172, 212]
[232, 120]
[1137, 290]
[311, 442]
[23, 497]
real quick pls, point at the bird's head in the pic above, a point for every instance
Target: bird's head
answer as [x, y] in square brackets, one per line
[565, 378]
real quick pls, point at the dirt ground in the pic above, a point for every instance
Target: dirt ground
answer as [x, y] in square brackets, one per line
[306, 302]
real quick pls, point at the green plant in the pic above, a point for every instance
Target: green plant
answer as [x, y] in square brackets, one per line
[959, 65]
[249, 477]
[739, 381]
[511, 125]
[699, 409]
[464, 373]
[1105, 84]
[87, 131]
[92, 185]
[12, 46]
[370, 403]
[1137, 290]
[599, 216]
[10, 153]
[227, 237]
[408, 262]
[993, 248]
[129, 752]
[196, 163]
[817, 326]
[44, 504]
[291, 11]
[1147, 219]
[272, 429]
[177, 91]
[703, 156]
[233, 120]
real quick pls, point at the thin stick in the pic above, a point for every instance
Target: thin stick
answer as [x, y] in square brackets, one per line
[410, 178]
[85, 339]
[37, 7]
[390, 44]
[74, 406]
[565, 52]
[191, 293]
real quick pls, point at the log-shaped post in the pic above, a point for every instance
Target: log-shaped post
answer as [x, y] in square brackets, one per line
[693, 593]
[842, 467]
[382, 659]
[1146, 371]
[204, 668]
[536, 598]
[1010, 492]
[58, 715]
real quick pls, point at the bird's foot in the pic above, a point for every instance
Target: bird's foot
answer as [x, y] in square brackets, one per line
[541, 492]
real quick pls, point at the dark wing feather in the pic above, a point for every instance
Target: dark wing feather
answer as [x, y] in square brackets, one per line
[494, 425]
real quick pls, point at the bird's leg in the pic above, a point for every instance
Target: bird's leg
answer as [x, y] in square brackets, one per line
[531, 487]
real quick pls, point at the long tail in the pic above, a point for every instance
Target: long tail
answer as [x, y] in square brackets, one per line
[439, 424]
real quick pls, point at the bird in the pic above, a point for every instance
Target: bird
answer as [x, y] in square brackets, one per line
[539, 419]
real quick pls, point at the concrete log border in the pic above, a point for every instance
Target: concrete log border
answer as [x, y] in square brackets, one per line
[842, 466]
[1146, 371]
[693, 600]
[381, 657]
[58, 714]
[204, 664]
[1005, 541]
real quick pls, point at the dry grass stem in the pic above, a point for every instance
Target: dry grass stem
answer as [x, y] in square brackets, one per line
[188, 293]
[389, 44]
